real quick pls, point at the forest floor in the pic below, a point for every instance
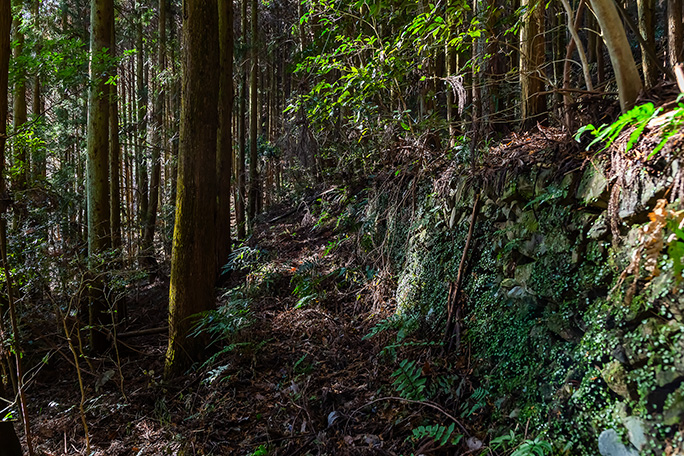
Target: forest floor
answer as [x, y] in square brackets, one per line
[286, 379]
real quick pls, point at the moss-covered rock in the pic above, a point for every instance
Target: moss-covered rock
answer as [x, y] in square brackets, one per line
[593, 188]
[615, 376]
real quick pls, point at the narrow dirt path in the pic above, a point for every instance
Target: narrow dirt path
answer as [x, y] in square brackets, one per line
[294, 375]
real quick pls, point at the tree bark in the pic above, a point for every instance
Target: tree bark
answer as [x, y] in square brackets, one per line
[19, 109]
[38, 160]
[97, 167]
[477, 83]
[242, 147]
[114, 155]
[10, 443]
[626, 74]
[5, 30]
[141, 138]
[148, 253]
[225, 136]
[532, 57]
[451, 71]
[253, 117]
[675, 36]
[647, 30]
[193, 261]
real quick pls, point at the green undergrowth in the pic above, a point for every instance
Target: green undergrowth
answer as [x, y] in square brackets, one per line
[565, 332]
[568, 337]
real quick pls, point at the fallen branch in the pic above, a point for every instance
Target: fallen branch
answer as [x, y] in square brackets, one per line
[453, 326]
[143, 332]
[432, 405]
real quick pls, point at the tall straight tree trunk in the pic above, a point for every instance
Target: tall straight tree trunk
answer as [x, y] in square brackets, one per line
[10, 443]
[240, 215]
[266, 98]
[451, 71]
[99, 227]
[647, 31]
[193, 262]
[253, 117]
[626, 74]
[141, 105]
[19, 111]
[174, 110]
[260, 132]
[38, 160]
[131, 157]
[148, 258]
[532, 57]
[114, 155]
[224, 157]
[273, 100]
[675, 36]
[477, 83]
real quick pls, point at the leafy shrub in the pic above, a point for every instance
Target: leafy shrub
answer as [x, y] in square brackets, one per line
[640, 117]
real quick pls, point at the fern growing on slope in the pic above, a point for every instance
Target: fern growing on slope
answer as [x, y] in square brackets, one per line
[409, 382]
[439, 433]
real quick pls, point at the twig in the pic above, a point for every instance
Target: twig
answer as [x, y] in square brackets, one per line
[429, 404]
[143, 332]
[15, 339]
[453, 311]
[70, 343]
[572, 26]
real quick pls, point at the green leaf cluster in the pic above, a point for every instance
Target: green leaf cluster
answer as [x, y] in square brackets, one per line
[439, 433]
[409, 382]
[638, 117]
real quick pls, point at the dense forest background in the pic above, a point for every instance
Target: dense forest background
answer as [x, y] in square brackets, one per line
[349, 227]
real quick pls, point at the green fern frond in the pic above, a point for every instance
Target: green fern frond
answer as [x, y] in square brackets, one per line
[536, 447]
[409, 381]
[479, 394]
[439, 433]
[383, 325]
[442, 384]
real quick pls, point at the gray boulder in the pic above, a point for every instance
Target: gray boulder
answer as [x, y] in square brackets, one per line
[610, 444]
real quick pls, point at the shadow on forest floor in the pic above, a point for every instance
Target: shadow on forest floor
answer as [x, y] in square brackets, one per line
[299, 379]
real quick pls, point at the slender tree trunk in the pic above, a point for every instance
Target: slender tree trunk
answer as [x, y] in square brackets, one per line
[131, 158]
[532, 57]
[148, 254]
[647, 31]
[254, 117]
[10, 443]
[240, 215]
[193, 263]
[451, 71]
[114, 155]
[225, 137]
[600, 59]
[99, 227]
[477, 83]
[38, 159]
[626, 74]
[19, 110]
[141, 150]
[174, 108]
[575, 43]
[261, 92]
[675, 36]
